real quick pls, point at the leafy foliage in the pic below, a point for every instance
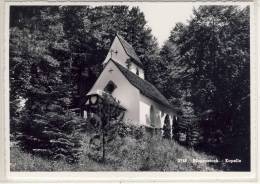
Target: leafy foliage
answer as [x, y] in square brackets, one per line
[167, 128]
[209, 65]
[107, 116]
[51, 135]
[126, 154]
[47, 127]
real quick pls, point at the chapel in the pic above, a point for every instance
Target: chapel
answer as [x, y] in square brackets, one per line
[123, 78]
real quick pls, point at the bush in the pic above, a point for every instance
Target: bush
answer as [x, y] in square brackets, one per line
[21, 161]
[167, 128]
[52, 134]
[128, 153]
[129, 150]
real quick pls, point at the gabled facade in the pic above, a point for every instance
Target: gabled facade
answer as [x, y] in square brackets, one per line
[124, 54]
[123, 78]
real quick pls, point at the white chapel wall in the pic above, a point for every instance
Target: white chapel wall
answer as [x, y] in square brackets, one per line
[144, 112]
[120, 56]
[145, 105]
[125, 92]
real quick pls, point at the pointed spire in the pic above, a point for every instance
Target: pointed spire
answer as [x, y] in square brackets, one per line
[130, 50]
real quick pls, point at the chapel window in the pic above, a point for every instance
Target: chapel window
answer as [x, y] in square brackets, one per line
[128, 63]
[110, 87]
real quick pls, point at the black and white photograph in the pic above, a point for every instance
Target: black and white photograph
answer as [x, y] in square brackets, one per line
[129, 87]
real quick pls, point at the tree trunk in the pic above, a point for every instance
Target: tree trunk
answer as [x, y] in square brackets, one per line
[103, 145]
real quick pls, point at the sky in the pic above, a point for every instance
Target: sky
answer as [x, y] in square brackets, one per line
[162, 17]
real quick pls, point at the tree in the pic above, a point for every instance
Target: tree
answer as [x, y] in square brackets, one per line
[47, 127]
[19, 69]
[167, 128]
[108, 114]
[211, 57]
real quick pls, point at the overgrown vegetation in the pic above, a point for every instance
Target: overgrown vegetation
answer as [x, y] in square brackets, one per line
[131, 150]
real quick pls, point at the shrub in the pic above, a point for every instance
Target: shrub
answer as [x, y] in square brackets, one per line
[193, 134]
[125, 152]
[21, 161]
[167, 128]
[53, 134]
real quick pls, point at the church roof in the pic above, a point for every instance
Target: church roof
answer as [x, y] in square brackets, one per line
[146, 88]
[129, 50]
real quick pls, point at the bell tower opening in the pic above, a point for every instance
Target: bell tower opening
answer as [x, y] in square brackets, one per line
[110, 87]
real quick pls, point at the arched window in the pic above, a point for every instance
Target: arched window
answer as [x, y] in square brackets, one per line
[110, 87]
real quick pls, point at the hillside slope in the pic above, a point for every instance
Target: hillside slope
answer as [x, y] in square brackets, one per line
[123, 154]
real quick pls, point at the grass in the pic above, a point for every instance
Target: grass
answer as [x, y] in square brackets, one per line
[123, 154]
